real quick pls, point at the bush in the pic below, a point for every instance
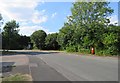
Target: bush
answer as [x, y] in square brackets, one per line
[101, 52]
[75, 48]
[106, 52]
[71, 49]
[82, 50]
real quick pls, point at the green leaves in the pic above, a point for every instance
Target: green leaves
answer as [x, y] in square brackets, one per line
[110, 38]
[11, 28]
[38, 38]
[88, 27]
[10, 35]
[65, 35]
[51, 42]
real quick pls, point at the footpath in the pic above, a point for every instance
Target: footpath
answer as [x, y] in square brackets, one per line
[31, 65]
[13, 64]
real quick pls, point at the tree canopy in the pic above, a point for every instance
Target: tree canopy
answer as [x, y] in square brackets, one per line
[87, 27]
[38, 38]
[11, 40]
[10, 35]
[51, 42]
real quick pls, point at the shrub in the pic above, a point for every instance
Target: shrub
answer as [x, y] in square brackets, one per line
[71, 49]
[83, 50]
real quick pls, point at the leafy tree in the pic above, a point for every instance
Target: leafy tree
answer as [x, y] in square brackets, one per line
[65, 36]
[111, 40]
[51, 41]
[38, 39]
[91, 19]
[88, 26]
[10, 35]
[23, 42]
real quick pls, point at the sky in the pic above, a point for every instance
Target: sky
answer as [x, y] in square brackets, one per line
[35, 15]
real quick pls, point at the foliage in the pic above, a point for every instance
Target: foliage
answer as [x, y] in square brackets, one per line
[23, 42]
[51, 42]
[71, 49]
[65, 36]
[87, 27]
[10, 35]
[111, 40]
[38, 39]
[11, 40]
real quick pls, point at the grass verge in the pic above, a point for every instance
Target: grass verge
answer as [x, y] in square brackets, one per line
[89, 54]
[17, 77]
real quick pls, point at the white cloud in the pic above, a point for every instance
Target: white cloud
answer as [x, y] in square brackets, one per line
[39, 17]
[28, 30]
[24, 12]
[113, 19]
[18, 9]
[53, 15]
[52, 32]
[24, 23]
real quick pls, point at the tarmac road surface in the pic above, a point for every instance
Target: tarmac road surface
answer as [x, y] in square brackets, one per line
[73, 67]
[59, 66]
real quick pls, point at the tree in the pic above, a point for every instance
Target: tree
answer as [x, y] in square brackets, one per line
[65, 36]
[86, 26]
[111, 40]
[51, 42]
[24, 41]
[10, 35]
[38, 39]
[91, 18]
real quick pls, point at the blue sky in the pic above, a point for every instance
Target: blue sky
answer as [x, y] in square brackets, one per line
[57, 13]
[35, 15]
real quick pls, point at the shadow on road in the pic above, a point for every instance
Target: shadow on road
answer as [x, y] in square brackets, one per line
[28, 53]
[6, 66]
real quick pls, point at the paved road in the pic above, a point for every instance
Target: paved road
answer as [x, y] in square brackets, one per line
[40, 71]
[55, 66]
[77, 68]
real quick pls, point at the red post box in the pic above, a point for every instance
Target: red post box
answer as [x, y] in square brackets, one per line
[92, 50]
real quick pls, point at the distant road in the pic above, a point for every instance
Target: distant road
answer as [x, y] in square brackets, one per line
[73, 67]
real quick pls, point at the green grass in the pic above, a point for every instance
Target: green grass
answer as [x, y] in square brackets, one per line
[17, 77]
[97, 53]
